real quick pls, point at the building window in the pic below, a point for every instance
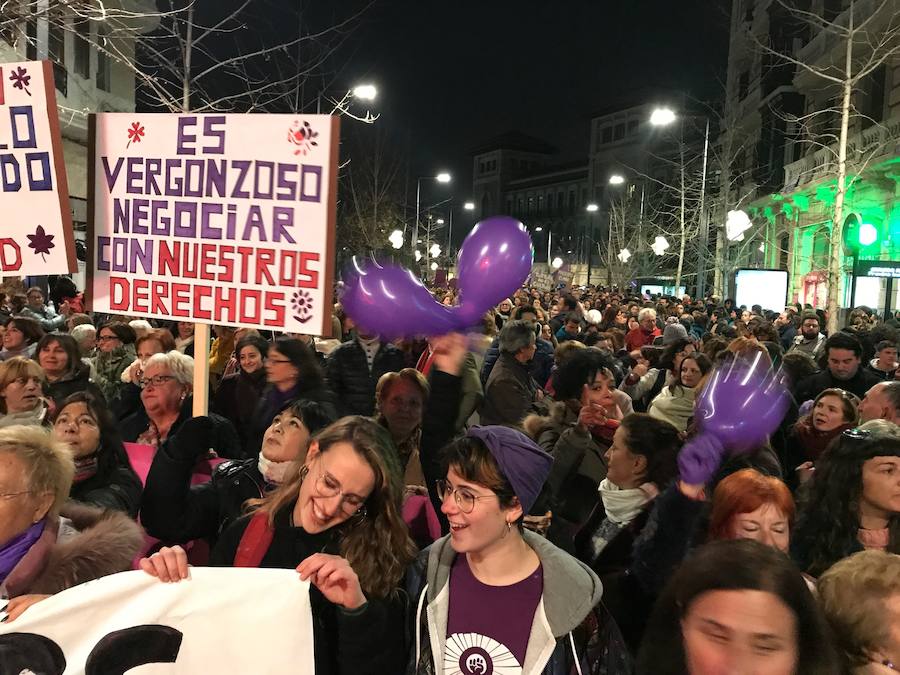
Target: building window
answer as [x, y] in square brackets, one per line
[104, 79]
[784, 242]
[873, 93]
[540, 204]
[748, 10]
[607, 134]
[560, 201]
[572, 201]
[632, 127]
[619, 132]
[831, 9]
[82, 48]
[56, 40]
[820, 248]
[519, 204]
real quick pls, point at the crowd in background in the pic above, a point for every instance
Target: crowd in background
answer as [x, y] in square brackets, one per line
[509, 497]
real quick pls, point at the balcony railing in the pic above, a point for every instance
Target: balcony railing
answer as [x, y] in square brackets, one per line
[862, 147]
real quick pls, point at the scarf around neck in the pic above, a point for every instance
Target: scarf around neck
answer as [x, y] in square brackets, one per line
[16, 548]
[273, 472]
[623, 506]
[86, 467]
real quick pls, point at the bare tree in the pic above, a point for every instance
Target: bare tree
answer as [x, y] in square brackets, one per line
[868, 36]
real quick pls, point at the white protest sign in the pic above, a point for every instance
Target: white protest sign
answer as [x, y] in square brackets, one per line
[221, 219]
[221, 620]
[34, 195]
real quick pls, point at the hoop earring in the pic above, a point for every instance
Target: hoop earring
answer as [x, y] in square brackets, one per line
[304, 472]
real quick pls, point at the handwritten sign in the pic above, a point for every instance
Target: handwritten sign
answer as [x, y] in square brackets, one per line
[34, 195]
[222, 219]
[227, 620]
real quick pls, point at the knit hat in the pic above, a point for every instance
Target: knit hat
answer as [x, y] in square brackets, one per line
[673, 332]
[522, 461]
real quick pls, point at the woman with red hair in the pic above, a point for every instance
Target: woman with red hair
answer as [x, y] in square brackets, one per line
[749, 505]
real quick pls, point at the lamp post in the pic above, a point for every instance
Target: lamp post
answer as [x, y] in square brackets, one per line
[664, 117]
[591, 209]
[363, 92]
[442, 177]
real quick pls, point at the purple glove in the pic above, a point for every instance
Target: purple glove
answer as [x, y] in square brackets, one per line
[700, 458]
[805, 408]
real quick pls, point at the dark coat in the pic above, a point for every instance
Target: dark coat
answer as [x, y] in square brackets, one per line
[236, 400]
[347, 372]
[810, 387]
[86, 543]
[175, 511]
[540, 366]
[114, 486]
[368, 641]
[73, 382]
[509, 392]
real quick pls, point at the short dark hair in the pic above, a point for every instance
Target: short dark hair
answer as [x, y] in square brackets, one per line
[315, 416]
[251, 341]
[524, 309]
[734, 565]
[658, 441]
[68, 345]
[30, 328]
[885, 344]
[842, 340]
[121, 330]
[572, 317]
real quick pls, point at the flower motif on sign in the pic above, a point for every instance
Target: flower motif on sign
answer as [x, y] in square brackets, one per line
[41, 242]
[303, 136]
[302, 304]
[20, 79]
[135, 133]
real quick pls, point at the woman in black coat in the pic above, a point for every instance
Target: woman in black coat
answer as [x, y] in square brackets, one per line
[103, 474]
[174, 511]
[338, 523]
[238, 394]
[67, 374]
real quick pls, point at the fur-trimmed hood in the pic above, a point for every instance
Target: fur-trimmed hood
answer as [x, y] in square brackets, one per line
[560, 414]
[82, 544]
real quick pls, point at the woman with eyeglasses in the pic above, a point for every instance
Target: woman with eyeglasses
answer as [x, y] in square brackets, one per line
[22, 400]
[115, 352]
[165, 389]
[103, 474]
[173, 510]
[494, 597]
[853, 501]
[292, 373]
[337, 521]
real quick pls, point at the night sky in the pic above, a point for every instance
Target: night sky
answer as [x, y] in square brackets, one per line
[455, 73]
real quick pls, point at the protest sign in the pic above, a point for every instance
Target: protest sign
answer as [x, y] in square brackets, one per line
[34, 195]
[220, 219]
[221, 620]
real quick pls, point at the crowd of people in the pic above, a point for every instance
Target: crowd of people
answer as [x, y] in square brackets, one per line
[515, 499]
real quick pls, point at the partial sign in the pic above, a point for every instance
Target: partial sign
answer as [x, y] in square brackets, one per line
[221, 620]
[34, 196]
[221, 219]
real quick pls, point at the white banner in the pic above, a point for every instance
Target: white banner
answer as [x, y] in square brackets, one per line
[221, 620]
[34, 195]
[220, 219]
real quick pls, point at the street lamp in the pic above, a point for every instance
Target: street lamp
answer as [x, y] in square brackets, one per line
[396, 239]
[366, 92]
[616, 179]
[659, 245]
[442, 177]
[469, 206]
[557, 263]
[418, 256]
[662, 117]
[624, 255]
[434, 266]
[591, 209]
[736, 223]
[435, 250]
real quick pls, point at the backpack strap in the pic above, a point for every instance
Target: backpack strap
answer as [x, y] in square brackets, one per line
[255, 541]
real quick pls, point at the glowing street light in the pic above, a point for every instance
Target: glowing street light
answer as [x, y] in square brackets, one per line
[439, 221]
[366, 92]
[539, 229]
[557, 263]
[868, 234]
[418, 256]
[433, 266]
[591, 208]
[736, 223]
[435, 250]
[469, 206]
[624, 255]
[396, 239]
[616, 179]
[662, 117]
[443, 177]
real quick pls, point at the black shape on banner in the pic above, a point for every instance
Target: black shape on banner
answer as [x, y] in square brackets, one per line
[120, 651]
[30, 653]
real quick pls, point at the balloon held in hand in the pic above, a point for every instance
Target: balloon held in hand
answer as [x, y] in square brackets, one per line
[495, 259]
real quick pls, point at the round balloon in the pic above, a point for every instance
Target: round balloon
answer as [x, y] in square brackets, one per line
[494, 260]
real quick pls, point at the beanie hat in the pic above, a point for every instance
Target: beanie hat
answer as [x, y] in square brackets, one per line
[522, 461]
[673, 332]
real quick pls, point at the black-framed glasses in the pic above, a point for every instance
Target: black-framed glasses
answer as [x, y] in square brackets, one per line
[106, 338]
[156, 380]
[465, 500]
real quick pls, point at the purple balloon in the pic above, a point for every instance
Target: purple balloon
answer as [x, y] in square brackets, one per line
[494, 260]
[391, 301]
[742, 404]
